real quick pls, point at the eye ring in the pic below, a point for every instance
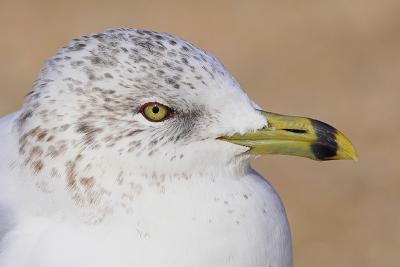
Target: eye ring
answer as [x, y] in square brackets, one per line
[156, 112]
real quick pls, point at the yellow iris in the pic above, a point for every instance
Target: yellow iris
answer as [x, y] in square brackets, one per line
[155, 112]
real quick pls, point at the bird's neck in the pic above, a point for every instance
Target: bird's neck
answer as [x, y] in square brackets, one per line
[97, 184]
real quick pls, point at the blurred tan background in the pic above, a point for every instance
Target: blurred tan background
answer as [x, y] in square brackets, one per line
[338, 61]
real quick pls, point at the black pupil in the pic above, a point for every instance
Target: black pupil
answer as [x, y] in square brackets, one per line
[155, 109]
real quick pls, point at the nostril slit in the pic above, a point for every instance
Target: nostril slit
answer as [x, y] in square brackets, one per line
[295, 130]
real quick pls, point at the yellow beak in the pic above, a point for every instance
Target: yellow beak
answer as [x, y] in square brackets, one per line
[297, 136]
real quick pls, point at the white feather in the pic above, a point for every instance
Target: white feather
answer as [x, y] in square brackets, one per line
[192, 202]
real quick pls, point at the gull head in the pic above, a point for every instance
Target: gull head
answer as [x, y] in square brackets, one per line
[140, 98]
[149, 101]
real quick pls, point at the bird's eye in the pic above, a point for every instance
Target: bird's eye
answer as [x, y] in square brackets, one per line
[155, 112]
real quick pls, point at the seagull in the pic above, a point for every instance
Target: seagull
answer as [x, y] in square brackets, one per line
[133, 149]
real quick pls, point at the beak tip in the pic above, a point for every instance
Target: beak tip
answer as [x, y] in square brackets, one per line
[346, 150]
[355, 156]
